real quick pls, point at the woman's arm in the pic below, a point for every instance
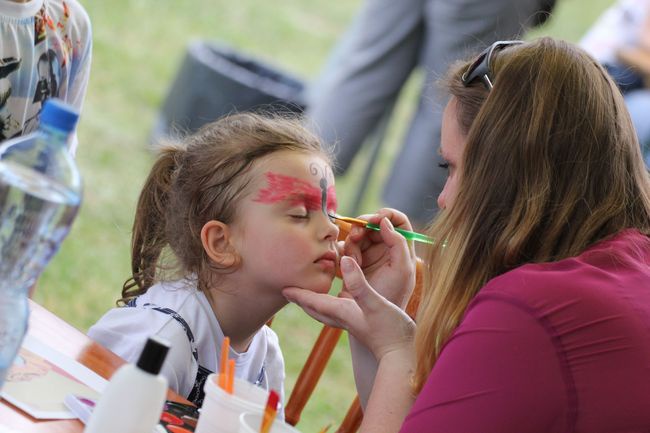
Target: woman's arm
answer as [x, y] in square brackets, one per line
[365, 368]
[381, 327]
[387, 261]
[391, 397]
[364, 361]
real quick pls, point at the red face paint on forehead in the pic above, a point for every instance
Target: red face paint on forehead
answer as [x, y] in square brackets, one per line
[296, 191]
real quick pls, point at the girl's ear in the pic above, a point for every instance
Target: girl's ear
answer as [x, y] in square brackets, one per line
[215, 237]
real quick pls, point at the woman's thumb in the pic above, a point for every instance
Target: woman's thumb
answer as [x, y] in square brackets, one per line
[356, 284]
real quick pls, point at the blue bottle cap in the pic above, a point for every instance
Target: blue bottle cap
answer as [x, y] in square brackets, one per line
[59, 115]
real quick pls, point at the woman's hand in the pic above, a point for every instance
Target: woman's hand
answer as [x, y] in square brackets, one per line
[386, 257]
[378, 324]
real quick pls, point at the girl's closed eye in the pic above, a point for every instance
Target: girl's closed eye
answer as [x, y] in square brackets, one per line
[302, 213]
[444, 165]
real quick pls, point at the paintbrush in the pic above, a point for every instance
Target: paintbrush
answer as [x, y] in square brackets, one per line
[411, 236]
[270, 411]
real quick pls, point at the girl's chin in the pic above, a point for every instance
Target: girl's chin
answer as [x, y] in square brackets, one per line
[322, 286]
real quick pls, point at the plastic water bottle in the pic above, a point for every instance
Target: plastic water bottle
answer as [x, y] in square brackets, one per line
[40, 194]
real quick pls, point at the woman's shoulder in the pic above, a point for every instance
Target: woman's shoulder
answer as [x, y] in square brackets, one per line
[586, 313]
[605, 277]
[624, 256]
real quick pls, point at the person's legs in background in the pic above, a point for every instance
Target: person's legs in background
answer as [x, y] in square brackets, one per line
[638, 104]
[365, 74]
[454, 29]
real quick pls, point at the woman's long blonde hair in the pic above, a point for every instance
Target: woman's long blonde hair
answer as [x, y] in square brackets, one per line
[551, 166]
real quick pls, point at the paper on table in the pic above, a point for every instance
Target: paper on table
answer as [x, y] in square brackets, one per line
[5, 429]
[41, 377]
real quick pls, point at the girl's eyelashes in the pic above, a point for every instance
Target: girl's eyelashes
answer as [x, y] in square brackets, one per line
[299, 214]
[444, 165]
[302, 213]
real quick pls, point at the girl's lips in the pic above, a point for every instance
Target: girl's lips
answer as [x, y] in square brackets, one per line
[327, 261]
[330, 255]
[327, 265]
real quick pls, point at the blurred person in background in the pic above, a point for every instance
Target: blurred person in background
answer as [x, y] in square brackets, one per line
[620, 40]
[45, 52]
[387, 41]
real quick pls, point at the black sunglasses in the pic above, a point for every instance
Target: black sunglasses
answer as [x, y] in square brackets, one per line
[480, 68]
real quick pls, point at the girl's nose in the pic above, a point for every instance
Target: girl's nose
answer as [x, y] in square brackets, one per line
[331, 230]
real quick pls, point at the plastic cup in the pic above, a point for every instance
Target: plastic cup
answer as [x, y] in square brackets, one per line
[220, 412]
[251, 422]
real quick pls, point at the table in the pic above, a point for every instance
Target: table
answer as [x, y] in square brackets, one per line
[71, 342]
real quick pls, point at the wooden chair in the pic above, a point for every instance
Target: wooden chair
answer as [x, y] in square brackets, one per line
[320, 355]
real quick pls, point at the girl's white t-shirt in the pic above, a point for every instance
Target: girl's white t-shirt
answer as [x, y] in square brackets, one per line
[124, 330]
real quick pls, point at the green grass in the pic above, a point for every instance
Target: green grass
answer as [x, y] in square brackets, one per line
[138, 46]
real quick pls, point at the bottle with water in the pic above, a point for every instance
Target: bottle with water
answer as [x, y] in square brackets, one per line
[40, 193]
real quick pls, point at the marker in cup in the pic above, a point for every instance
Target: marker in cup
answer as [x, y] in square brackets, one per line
[221, 410]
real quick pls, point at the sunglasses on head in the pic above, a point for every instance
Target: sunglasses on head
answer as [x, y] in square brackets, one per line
[480, 68]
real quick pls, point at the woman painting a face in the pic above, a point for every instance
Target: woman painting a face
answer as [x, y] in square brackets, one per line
[452, 145]
[535, 312]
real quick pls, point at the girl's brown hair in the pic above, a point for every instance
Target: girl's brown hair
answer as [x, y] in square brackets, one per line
[199, 179]
[551, 165]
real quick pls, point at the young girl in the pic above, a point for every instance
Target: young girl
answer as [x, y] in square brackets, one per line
[238, 212]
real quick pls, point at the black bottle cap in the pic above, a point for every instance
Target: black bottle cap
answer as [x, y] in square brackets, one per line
[153, 355]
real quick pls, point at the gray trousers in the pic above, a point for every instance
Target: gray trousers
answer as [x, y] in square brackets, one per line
[387, 41]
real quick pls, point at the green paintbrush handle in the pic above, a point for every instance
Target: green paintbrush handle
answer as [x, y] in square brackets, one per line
[411, 236]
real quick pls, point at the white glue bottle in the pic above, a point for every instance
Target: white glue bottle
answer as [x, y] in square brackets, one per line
[133, 399]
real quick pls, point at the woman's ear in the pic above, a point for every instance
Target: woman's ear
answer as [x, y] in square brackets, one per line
[215, 237]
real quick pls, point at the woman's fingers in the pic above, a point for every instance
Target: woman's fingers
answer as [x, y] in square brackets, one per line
[390, 237]
[339, 311]
[400, 220]
[357, 287]
[374, 321]
[397, 218]
[330, 310]
[361, 238]
[381, 326]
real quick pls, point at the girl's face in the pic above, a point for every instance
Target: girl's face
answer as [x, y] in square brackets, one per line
[282, 231]
[452, 145]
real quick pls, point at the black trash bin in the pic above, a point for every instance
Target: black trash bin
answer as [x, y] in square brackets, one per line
[215, 80]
